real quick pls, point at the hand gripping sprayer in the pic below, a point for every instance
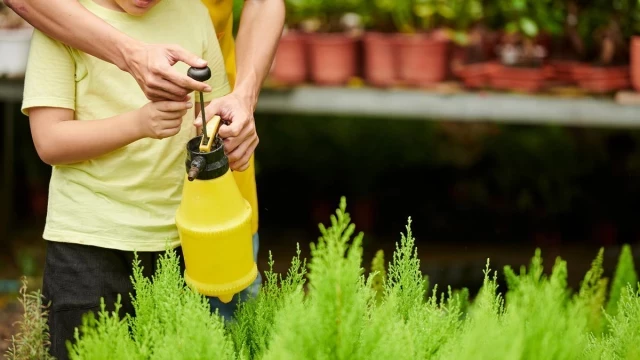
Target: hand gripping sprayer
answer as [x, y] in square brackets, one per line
[213, 219]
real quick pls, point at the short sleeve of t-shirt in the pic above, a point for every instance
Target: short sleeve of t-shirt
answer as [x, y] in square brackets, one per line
[213, 54]
[50, 76]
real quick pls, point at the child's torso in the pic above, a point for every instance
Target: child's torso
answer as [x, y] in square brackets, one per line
[126, 199]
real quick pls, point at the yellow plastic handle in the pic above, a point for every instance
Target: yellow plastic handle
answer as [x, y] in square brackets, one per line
[212, 131]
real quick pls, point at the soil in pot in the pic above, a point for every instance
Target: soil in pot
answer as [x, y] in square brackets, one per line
[333, 58]
[380, 59]
[423, 59]
[290, 62]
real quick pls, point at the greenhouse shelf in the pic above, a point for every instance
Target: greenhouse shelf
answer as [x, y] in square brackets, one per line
[469, 107]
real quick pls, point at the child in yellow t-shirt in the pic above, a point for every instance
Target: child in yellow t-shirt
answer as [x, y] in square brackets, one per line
[118, 159]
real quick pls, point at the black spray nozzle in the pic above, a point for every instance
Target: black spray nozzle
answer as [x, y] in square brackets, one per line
[205, 165]
[197, 164]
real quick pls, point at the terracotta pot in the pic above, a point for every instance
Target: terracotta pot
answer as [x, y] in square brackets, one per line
[634, 62]
[332, 58]
[474, 75]
[519, 78]
[380, 59]
[601, 86]
[422, 59]
[602, 79]
[290, 62]
[564, 70]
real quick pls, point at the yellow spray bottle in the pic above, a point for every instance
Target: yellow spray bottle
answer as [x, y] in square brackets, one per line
[213, 219]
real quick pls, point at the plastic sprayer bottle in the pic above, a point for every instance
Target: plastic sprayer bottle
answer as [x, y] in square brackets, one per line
[213, 219]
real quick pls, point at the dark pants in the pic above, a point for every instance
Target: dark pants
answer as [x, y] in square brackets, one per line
[77, 276]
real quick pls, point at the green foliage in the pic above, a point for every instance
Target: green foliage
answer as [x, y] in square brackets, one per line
[106, 337]
[331, 310]
[172, 322]
[336, 303]
[593, 292]
[254, 320]
[405, 279]
[624, 331]
[32, 339]
[379, 274]
[624, 276]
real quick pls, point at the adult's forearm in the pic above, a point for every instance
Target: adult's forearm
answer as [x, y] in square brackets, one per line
[74, 141]
[71, 23]
[259, 31]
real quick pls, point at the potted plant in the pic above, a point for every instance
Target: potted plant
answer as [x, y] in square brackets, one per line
[422, 44]
[605, 28]
[334, 31]
[473, 40]
[15, 37]
[634, 57]
[380, 60]
[290, 65]
[569, 49]
[521, 55]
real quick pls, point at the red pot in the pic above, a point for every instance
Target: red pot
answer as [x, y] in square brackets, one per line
[290, 62]
[519, 79]
[474, 75]
[635, 62]
[380, 59]
[332, 58]
[602, 79]
[564, 70]
[422, 59]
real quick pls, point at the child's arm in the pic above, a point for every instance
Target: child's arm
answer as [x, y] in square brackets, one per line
[61, 140]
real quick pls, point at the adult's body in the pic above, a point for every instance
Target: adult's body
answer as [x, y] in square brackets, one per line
[247, 58]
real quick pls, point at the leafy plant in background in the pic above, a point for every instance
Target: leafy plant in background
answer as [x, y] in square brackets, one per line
[524, 21]
[297, 11]
[464, 19]
[604, 27]
[421, 16]
[326, 16]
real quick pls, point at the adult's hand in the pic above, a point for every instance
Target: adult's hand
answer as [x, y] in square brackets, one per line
[238, 130]
[152, 67]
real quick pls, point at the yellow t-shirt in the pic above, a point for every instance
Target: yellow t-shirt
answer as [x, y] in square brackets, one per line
[221, 13]
[126, 199]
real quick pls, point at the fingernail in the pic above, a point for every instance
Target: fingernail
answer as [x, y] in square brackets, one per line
[189, 105]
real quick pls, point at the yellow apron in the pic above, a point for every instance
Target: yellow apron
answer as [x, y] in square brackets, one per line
[221, 12]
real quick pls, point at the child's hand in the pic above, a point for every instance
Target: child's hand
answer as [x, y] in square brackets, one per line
[162, 119]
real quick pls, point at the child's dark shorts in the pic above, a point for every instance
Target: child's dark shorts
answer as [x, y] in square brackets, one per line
[77, 276]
